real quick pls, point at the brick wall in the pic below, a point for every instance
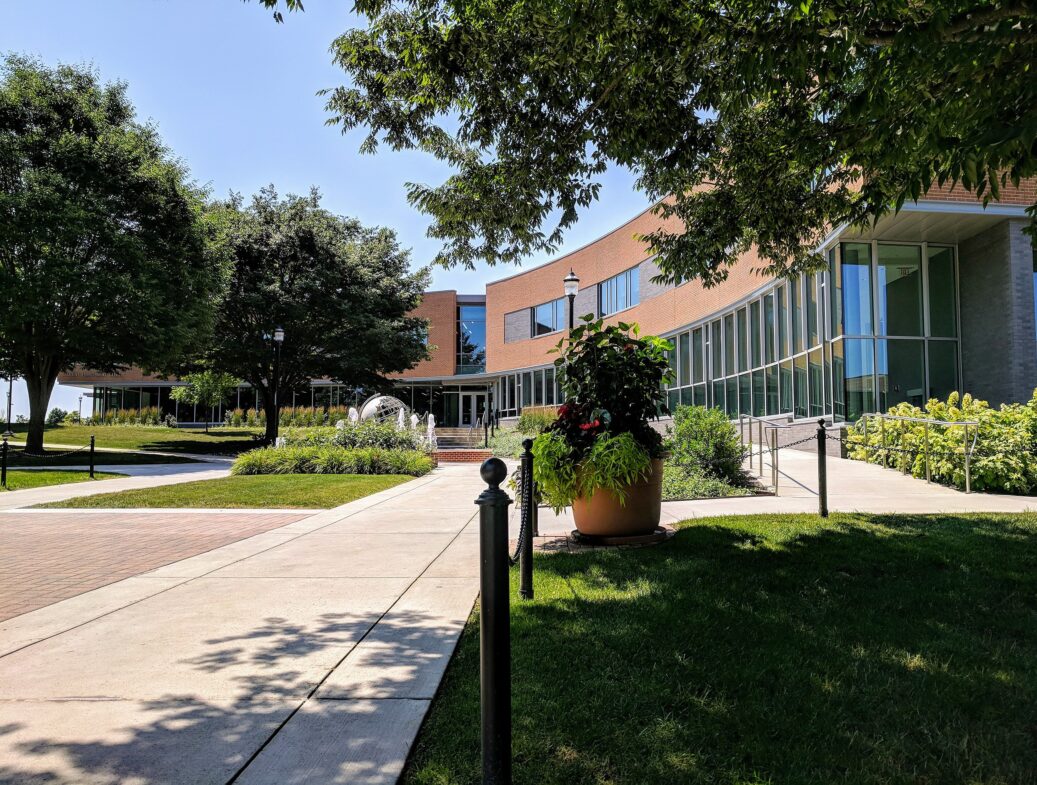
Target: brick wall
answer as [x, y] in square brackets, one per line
[999, 347]
[440, 308]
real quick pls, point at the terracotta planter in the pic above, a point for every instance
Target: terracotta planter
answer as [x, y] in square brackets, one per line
[602, 515]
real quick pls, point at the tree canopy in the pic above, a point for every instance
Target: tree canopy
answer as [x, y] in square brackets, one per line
[103, 255]
[759, 123]
[206, 388]
[340, 291]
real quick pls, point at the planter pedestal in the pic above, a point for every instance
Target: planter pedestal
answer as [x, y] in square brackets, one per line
[659, 535]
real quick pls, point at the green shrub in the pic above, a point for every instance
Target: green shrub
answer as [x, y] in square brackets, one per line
[330, 459]
[56, 416]
[507, 442]
[364, 434]
[704, 442]
[149, 415]
[534, 420]
[679, 484]
[1005, 454]
[613, 463]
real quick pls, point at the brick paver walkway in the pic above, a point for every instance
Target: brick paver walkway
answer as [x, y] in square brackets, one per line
[46, 557]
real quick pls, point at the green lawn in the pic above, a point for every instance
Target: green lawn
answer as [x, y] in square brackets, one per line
[20, 480]
[256, 491]
[218, 441]
[769, 649]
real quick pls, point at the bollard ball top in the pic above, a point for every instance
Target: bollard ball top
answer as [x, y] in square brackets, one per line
[493, 472]
[527, 444]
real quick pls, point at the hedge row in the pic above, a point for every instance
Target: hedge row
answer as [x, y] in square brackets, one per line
[364, 434]
[332, 460]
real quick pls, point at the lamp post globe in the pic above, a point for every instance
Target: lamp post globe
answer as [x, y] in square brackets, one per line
[571, 285]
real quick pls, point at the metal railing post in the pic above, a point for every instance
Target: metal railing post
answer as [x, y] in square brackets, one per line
[3, 465]
[928, 476]
[968, 460]
[485, 432]
[760, 434]
[91, 457]
[528, 523]
[822, 470]
[772, 440]
[494, 626]
[777, 469]
[882, 433]
[904, 453]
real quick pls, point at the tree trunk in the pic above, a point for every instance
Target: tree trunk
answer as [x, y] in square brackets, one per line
[40, 387]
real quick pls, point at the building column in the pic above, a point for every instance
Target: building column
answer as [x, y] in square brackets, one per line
[998, 331]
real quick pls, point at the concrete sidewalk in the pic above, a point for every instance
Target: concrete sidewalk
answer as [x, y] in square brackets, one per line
[147, 475]
[305, 654]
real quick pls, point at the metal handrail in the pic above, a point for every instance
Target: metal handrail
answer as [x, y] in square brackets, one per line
[967, 448]
[772, 427]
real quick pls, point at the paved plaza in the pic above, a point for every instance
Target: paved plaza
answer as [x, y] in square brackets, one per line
[279, 646]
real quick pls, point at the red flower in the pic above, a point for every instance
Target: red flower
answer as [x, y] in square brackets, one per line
[563, 410]
[588, 426]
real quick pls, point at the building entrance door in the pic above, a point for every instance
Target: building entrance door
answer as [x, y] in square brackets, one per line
[473, 405]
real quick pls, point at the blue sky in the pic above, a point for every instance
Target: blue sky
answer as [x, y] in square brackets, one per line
[234, 95]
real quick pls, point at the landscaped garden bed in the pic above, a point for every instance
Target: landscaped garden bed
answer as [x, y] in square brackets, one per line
[255, 492]
[859, 650]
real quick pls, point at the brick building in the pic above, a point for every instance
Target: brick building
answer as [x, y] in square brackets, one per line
[938, 297]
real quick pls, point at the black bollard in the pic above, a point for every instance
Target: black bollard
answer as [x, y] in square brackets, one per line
[822, 470]
[91, 457]
[494, 626]
[526, 530]
[3, 465]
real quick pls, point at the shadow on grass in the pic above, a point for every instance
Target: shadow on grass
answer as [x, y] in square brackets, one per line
[871, 649]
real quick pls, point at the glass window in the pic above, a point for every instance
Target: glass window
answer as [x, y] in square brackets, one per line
[785, 401]
[817, 407]
[538, 388]
[901, 372]
[715, 344]
[729, 344]
[744, 394]
[671, 360]
[754, 334]
[835, 284]
[549, 387]
[796, 296]
[512, 400]
[686, 396]
[772, 389]
[813, 339]
[769, 326]
[684, 358]
[759, 400]
[527, 388]
[855, 282]
[855, 376]
[743, 352]
[698, 356]
[943, 368]
[1035, 285]
[900, 290]
[943, 299]
[619, 292]
[783, 323]
[471, 339]
[799, 378]
[718, 394]
[549, 317]
[732, 396]
[699, 397]
[673, 399]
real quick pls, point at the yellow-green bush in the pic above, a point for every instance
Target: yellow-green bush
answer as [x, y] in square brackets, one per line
[1004, 458]
[332, 460]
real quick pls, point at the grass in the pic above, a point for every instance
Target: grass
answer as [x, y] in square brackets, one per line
[309, 491]
[20, 480]
[218, 441]
[869, 650]
[58, 457]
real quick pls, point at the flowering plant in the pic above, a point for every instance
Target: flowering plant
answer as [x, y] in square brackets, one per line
[603, 438]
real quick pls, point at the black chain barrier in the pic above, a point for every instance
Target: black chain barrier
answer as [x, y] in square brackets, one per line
[41, 458]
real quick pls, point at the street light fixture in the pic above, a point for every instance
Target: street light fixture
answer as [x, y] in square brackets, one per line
[8, 433]
[278, 340]
[571, 283]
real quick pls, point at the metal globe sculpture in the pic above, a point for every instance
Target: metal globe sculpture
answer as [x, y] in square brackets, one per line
[382, 408]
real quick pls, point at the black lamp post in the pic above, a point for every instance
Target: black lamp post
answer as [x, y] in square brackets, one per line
[572, 287]
[278, 340]
[8, 433]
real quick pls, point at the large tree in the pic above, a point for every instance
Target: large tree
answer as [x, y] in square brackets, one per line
[103, 256]
[341, 292]
[763, 123]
